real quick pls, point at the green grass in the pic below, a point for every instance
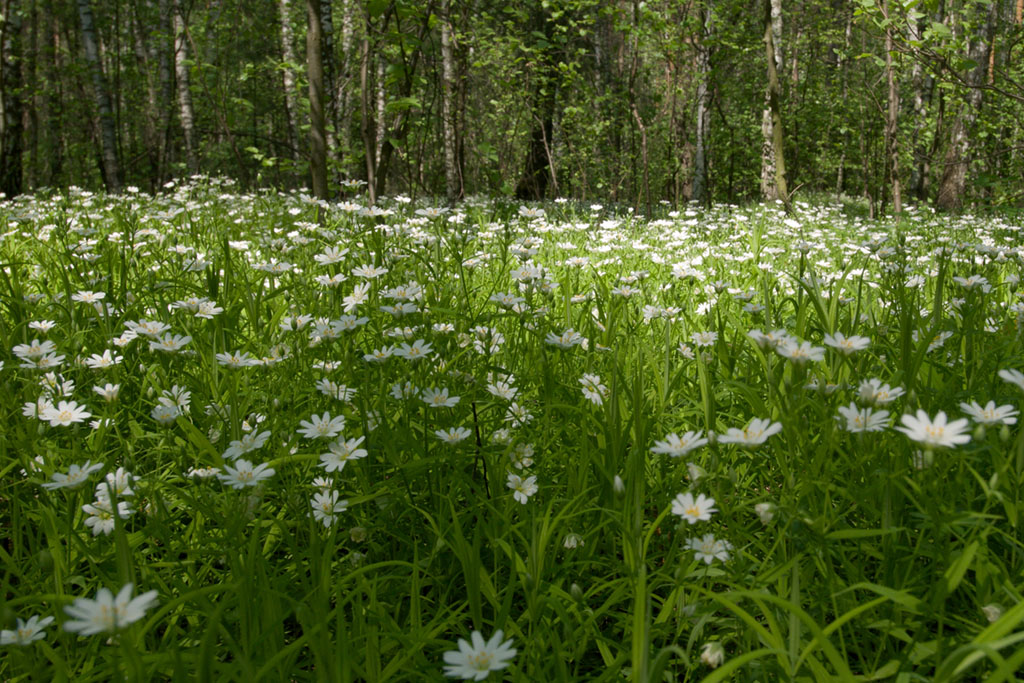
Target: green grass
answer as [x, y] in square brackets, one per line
[871, 557]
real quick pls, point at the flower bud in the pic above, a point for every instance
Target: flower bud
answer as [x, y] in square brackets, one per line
[992, 612]
[576, 592]
[712, 654]
[357, 534]
[765, 512]
[618, 485]
[45, 561]
[1004, 433]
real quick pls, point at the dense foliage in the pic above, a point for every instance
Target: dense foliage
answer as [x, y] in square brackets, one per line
[592, 100]
[260, 436]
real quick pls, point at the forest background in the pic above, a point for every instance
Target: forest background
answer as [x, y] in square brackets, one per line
[625, 101]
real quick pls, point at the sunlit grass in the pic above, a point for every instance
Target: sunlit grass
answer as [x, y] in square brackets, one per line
[338, 441]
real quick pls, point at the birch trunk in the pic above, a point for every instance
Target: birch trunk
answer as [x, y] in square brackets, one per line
[773, 53]
[700, 165]
[892, 120]
[769, 155]
[181, 71]
[452, 174]
[288, 77]
[315, 73]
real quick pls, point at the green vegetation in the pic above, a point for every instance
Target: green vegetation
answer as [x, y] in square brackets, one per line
[342, 438]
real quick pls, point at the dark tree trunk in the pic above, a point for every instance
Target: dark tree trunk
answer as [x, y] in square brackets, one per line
[957, 159]
[110, 163]
[11, 109]
[315, 72]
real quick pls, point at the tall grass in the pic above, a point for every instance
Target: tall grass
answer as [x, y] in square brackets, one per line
[841, 556]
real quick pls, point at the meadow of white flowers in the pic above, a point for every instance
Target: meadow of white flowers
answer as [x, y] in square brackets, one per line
[261, 437]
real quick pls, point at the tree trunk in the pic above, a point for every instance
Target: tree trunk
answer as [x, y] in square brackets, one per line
[164, 55]
[11, 109]
[452, 172]
[773, 20]
[892, 120]
[700, 192]
[151, 134]
[769, 155]
[366, 124]
[288, 78]
[315, 73]
[181, 71]
[844, 77]
[330, 73]
[534, 182]
[341, 99]
[957, 159]
[922, 85]
[110, 162]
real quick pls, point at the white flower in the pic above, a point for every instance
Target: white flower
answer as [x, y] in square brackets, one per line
[248, 443]
[419, 349]
[709, 548]
[76, 476]
[523, 488]
[521, 456]
[326, 507]
[118, 482]
[474, 662]
[566, 340]
[693, 511]
[379, 355]
[676, 446]
[65, 413]
[846, 345]
[27, 632]
[108, 392]
[170, 342]
[101, 362]
[572, 541]
[800, 353]
[88, 297]
[593, 390]
[765, 512]
[990, 414]
[712, 654]
[341, 452]
[238, 359]
[165, 414]
[244, 474]
[704, 339]
[34, 349]
[754, 434]
[322, 427]
[863, 419]
[101, 514]
[439, 398]
[873, 391]
[453, 435]
[503, 390]
[107, 613]
[1013, 377]
[935, 433]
